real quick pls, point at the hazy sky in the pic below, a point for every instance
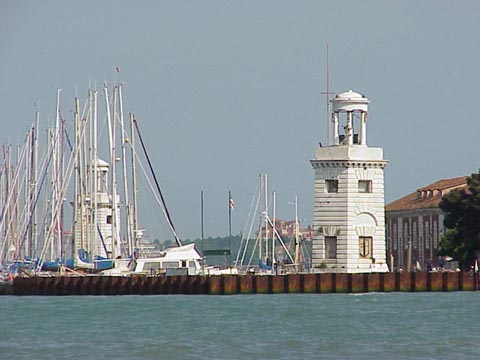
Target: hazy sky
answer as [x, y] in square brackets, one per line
[225, 90]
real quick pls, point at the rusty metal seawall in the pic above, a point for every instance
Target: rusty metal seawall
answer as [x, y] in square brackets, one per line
[246, 284]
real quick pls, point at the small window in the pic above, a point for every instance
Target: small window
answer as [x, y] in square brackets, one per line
[365, 244]
[151, 266]
[170, 265]
[109, 219]
[364, 186]
[330, 247]
[331, 186]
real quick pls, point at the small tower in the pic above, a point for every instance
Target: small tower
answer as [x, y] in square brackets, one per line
[348, 210]
[96, 221]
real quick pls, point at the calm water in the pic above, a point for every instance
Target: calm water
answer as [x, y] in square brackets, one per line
[333, 326]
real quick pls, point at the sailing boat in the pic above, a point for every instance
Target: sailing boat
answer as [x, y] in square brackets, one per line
[267, 238]
[101, 181]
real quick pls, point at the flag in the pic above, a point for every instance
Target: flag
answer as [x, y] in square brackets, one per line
[231, 204]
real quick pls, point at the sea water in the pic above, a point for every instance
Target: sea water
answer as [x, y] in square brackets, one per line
[297, 326]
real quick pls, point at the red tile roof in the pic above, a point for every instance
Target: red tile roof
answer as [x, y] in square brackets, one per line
[428, 196]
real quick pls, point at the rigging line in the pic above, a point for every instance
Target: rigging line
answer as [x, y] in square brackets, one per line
[70, 168]
[43, 176]
[252, 254]
[177, 239]
[280, 238]
[16, 175]
[246, 234]
[253, 216]
[149, 182]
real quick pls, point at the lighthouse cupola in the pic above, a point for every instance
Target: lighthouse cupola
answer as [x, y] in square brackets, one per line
[348, 123]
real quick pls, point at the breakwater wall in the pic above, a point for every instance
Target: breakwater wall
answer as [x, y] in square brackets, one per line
[245, 284]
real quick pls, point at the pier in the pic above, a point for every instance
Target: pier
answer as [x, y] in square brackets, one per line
[244, 284]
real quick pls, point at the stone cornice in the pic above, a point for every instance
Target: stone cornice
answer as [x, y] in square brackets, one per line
[365, 164]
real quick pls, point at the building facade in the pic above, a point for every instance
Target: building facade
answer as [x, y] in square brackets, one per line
[415, 226]
[349, 208]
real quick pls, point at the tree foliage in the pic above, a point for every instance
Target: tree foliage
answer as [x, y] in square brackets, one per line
[461, 239]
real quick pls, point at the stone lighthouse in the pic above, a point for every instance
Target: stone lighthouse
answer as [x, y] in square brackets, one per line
[348, 210]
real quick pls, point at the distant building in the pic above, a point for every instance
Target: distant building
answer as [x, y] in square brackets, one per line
[286, 228]
[415, 225]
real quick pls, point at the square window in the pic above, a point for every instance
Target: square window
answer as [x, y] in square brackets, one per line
[331, 186]
[330, 247]
[365, 245]
[364, 186]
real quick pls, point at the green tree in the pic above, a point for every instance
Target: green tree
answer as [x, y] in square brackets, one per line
[461, 239]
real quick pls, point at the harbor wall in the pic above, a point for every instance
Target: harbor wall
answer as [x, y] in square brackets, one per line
[246, 284]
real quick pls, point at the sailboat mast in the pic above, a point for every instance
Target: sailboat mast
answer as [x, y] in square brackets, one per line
[297, 240]
[51, 202]
[75, 179]
[128, 222]
[266, 217]
[94, 166]
[33, 232]
[28, 197]
[89, 178]
[115, 225]
[58, 188]
[111, 136]
[274, 195]
[201, 222]
[134, 183]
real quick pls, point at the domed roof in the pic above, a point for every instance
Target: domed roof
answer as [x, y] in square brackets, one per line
[350, 95]
[101, 162]
[350, 101]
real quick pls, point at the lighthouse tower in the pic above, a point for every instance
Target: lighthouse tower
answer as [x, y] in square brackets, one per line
[348, 210]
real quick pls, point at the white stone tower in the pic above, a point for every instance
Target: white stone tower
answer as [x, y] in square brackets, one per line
[348, 210]
[96, 223]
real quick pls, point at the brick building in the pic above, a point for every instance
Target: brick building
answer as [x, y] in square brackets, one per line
[415, 225]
